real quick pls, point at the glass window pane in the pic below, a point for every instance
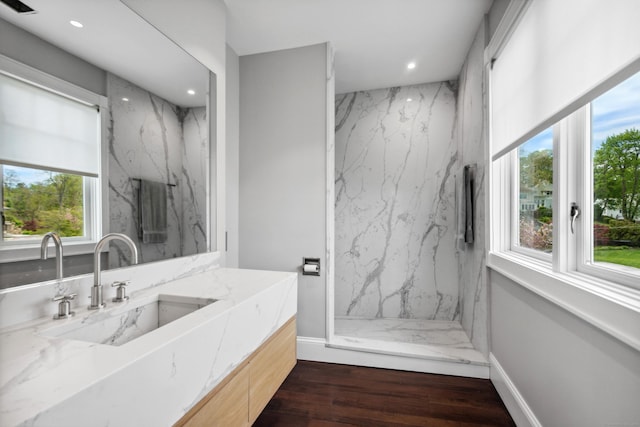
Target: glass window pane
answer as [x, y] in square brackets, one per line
[615, 148]
[535, 218]
[37, 201]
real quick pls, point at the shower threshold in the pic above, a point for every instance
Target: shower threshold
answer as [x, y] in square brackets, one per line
[426, 339]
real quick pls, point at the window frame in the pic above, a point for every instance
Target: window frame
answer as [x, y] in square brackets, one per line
[610, 302]
[573, 183]
[608, 306]
[583, 182]
[95, 193]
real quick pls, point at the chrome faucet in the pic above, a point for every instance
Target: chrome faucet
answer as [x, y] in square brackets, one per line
[45, 255]
[96, 289]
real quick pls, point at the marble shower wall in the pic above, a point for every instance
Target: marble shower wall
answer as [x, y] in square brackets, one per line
[470, 137]
[153, 139]
[395, 219]
[193, 180]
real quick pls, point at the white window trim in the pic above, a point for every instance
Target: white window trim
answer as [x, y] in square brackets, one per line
[605, 300]
[584, 196]
[71, 246]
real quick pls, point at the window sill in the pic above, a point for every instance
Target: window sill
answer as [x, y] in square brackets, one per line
[31, 252]
[613, 308]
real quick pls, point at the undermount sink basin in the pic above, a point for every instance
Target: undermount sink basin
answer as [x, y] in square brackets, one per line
[121, 324]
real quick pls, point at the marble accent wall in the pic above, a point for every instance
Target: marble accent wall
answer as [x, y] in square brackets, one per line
[395, 213]
[193, 181]
[153, 139]
[470, 138]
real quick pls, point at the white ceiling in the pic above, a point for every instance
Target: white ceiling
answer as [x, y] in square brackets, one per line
[374, 40]
[116, 39]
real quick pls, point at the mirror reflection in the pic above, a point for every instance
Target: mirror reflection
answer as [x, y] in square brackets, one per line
[153, 176]
[157, 173]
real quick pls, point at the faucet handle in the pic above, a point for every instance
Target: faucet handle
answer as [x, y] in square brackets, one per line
[121, 283]
[64, 297]
[64, 306]
[121, 292]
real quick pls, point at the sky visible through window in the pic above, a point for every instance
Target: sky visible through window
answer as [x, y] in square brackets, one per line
[26, 175]
[616, 111]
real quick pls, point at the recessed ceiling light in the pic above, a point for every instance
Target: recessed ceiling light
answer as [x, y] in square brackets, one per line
[125, 99]
[409, 99]
[411, 65]
[76, 24]
[191, 92]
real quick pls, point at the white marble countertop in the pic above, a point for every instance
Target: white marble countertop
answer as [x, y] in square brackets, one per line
[154, 379]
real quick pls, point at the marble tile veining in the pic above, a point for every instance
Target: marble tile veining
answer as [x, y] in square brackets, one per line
[152, 139]
[395, 219]
[154, 378]
[417, 331]
[429, 339]
[470, 138]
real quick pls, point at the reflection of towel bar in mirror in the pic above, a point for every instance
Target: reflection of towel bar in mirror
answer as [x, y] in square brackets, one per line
[152, 210]
[168, 184]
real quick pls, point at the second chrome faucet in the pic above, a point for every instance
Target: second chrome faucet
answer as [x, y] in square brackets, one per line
[44, 251]
[96, 290]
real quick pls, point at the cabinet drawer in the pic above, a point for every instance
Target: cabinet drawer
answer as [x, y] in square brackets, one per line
[228, 406]
[269, 367]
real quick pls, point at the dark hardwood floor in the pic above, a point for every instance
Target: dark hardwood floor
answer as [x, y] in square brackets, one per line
[323, 394]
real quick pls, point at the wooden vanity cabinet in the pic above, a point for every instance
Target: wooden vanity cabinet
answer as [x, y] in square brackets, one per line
[240, 398]
[226, 405]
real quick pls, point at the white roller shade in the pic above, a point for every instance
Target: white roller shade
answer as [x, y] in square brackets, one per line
[559, 57]
[41, 129]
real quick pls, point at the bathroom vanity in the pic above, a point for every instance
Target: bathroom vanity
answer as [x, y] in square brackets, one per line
[240, 398]
[215, 346]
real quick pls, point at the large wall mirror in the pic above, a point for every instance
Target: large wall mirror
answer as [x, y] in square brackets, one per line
[156, 140]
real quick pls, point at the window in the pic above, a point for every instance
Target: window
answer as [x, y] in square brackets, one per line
[37, 201]
[535, 188]
[541, 74]
[615, 165]
[594, 220]
[49, 162]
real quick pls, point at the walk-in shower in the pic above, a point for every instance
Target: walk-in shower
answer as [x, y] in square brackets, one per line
[401, 263]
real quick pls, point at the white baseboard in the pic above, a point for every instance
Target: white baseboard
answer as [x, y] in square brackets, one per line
[315, 349]
[513, 400]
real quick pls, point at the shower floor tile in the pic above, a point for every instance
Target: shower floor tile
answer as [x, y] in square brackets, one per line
[430, 339]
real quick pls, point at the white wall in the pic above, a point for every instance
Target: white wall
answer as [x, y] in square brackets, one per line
[567, 372]
[31, 50]
[233, 155]
[282, 170]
